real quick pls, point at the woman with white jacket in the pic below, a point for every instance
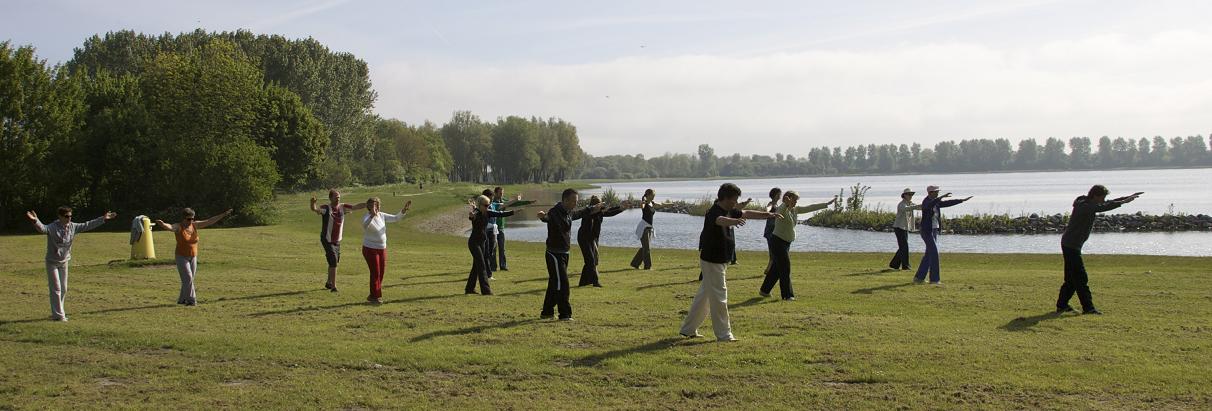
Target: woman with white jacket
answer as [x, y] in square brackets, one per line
[374, 244]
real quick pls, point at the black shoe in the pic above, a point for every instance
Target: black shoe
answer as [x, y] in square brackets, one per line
[1094, 311]
[1065, 309]
[486, 293]
[546, 316]
[328, 286]
[597, 285]
[469, 292]
[504, 269]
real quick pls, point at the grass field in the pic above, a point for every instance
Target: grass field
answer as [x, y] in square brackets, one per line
[267, 335]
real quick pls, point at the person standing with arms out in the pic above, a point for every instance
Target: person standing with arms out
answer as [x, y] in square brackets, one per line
[479, 215]
[60, 235]
[931, 214]
[775, 194]
[490, 238]
[901, 227]
[559, 241]
[1081, 222]
[498, 204]
[717, 244]
[186, 233]
[644, 231]
[784, 234]
[587, 239]
[374, 244]
[332, 219]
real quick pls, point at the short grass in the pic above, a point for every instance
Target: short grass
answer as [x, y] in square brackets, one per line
[266, 335]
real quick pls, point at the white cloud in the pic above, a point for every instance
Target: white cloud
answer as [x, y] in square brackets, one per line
[787, 102]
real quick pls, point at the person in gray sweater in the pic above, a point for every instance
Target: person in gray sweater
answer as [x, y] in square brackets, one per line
[59, 237]
[1081, 222]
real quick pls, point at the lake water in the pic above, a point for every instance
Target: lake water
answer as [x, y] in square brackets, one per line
[1186, 190]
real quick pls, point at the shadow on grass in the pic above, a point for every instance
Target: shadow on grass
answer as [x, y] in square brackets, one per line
[27, 320]
[472, 330]
[595, 359]
[746, 303]
[260, 296]
[117, 310]
[1025, 323]
[297, 310]
[875, 272]
[617, 270]
[881, 288]
[434, 275]
[531, 280]
[436, 282]
[645, 287]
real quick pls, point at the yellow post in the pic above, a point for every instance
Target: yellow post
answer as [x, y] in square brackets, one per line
[144, 248]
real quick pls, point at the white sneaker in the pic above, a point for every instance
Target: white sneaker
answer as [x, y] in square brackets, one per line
[695, 335]
[938, 283]
[727, 339]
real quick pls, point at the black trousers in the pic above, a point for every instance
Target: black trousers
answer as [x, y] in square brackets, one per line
[1075, 281]
[900, 261]
[501, 249]
[780, 267]
[490, 251]
[557, 285]
[479, 271]
[589, 272]
[644, 254]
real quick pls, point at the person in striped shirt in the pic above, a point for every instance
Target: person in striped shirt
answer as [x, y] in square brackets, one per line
[332, 218]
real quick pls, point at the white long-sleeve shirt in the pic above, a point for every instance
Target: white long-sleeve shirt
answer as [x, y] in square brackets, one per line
[374, 229]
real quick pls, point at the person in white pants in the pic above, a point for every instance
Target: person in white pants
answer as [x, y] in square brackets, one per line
[59, 237]
[717, 246]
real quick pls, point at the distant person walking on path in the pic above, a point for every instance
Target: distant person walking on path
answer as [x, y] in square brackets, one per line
[931, 215]
[644, 231]
[901, 227]
[498, 204]
[1081, 222]
[59, 237]
[479, 215]
[781, 239]
[587, 240]
[717, 244]
[768, 231]
[559, 238]
[186, 233]
[374, 244]
[332, 220]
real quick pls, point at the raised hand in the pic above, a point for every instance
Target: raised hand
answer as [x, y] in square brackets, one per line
[968, 198]
[407, 205]
[110, 215]
[777, 216]
[542, 214]
[31, 215]
[740, 222]
[945, 195]
[313, 200]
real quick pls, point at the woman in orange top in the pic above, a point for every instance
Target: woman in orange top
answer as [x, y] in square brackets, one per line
[187, 250]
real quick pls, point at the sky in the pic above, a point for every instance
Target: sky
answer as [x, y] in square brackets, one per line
[764, 77]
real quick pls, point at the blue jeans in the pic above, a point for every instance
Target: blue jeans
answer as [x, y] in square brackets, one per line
[929, 258]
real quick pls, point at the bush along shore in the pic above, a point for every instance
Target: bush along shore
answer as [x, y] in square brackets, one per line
[874, 220]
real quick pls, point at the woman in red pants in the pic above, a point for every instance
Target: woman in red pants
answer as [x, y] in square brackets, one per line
[374, 244]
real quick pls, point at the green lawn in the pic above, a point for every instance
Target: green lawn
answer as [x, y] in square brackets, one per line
[267, 335]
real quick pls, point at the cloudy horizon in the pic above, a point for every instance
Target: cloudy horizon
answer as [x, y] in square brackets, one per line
[773, 77]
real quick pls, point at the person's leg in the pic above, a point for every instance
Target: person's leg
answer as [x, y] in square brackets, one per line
[477, 267]
[587, 268]
[593, 251]
[900, 260]
[639, 255]
[369, 256]
[485, 289]
[484, 253]
[562, 271]
[1081, 282]
[381, 262]
[783, 255]
[501, 250]
[553, 285]
[646, 244]
[717, 299]
[924, 265]
[331, 256]
[1067, 289]
[491, 251]
[183, 272]
[698, 308]
[54, 286]
[772, 273]
[193, 280]
[934, 260]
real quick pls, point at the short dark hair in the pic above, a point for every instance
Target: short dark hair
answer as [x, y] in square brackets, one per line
[498, 189]
[649, 192]
[1098, 190]
[188, 212]
[487, 192]
[775, 192]
[568, 192]
[727, 191]
[63, 210]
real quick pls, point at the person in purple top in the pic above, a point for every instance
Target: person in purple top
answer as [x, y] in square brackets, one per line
[929, 231]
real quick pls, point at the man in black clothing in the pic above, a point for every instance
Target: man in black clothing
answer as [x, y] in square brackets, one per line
[1081, 222]
[587, 239]
[559, 241]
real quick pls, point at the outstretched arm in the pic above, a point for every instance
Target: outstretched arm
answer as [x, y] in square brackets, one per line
[96, 222]
[813, 207]
[166, 227]
[33, 217]
[211, 221]
[761, 215]
[360, 206]
[723, 221]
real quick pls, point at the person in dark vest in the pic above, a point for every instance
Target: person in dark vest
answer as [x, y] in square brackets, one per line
[931, 215]
[479, 215]
[332, 224]
[587, 240]
[775, 194]
[1081, 222]
[645, 231]
[717, 245]
[559, 240]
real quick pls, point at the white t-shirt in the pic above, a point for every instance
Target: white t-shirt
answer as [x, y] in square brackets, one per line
[374, 230]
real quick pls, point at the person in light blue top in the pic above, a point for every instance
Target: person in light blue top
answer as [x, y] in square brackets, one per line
[59, 238]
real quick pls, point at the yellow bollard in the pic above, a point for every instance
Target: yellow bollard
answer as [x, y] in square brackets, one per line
[144, 248]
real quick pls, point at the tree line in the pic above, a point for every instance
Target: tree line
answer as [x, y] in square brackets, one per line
[147, 124]
[974, 155]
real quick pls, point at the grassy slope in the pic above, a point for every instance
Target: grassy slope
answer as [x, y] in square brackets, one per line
[266, 335]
